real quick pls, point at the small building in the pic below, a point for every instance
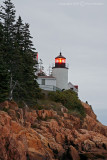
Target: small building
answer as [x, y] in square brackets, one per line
[47, 83]
[73, 87]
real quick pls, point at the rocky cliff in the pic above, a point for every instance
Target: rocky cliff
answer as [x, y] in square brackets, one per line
[27, 134]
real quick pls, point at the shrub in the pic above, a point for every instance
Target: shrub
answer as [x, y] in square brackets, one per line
[69, 99]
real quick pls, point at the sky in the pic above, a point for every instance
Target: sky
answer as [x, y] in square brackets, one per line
[77, 28]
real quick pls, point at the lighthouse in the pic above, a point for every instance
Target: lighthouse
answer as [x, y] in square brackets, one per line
[60, 72]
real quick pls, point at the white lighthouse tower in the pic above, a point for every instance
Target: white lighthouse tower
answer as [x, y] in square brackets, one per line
[60, 72]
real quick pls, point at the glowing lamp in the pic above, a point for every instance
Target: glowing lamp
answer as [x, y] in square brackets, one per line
[60, 61]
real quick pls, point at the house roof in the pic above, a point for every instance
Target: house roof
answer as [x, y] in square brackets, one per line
[51, 77]
[76, 86]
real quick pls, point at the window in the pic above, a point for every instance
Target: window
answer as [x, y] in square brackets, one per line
[43, 81]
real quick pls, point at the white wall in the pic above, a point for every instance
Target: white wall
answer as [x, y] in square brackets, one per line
[61, 75]
[48, 81]
[47, 87]
[38, 80]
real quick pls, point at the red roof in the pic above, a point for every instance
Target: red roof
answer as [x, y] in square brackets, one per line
[76, 86]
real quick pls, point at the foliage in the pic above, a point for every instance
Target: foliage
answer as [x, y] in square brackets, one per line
[4, 75]
[4, 81]
[70, 100]
[17, 57]
[48, 104]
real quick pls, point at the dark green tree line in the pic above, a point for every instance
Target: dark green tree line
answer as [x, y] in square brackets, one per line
[17, 52]
[4, 75]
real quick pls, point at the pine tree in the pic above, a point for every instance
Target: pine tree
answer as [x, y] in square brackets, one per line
[30, 85]
[28, 45]
[19, 35]
[4, 74]
[27, 87]
[18, 54]
[4, 80]
[8, 18]
[18, 48]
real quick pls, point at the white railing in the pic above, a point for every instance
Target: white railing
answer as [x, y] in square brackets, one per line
[49, 88]
[66, 65]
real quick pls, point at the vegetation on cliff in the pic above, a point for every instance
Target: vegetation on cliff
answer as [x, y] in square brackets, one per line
[70, 100]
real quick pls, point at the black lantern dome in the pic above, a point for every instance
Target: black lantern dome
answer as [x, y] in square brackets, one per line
[60, 61]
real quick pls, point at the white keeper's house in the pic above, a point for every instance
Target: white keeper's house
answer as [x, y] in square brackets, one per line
[58, 80]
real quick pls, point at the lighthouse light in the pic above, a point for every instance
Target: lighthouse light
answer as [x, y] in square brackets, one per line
[59, 60]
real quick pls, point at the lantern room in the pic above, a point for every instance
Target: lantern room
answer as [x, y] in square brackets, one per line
[60, 61]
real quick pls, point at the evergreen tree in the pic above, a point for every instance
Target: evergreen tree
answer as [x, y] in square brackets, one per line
[18, 48]
[19, 35]
[4, 74]
[7, 16]
[4, 80]
[28, 45]
[18, 54]
[27, 87]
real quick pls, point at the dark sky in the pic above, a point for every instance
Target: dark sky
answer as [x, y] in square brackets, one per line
[79, 29]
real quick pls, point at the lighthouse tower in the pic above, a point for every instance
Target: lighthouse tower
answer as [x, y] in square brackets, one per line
[60, 72]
